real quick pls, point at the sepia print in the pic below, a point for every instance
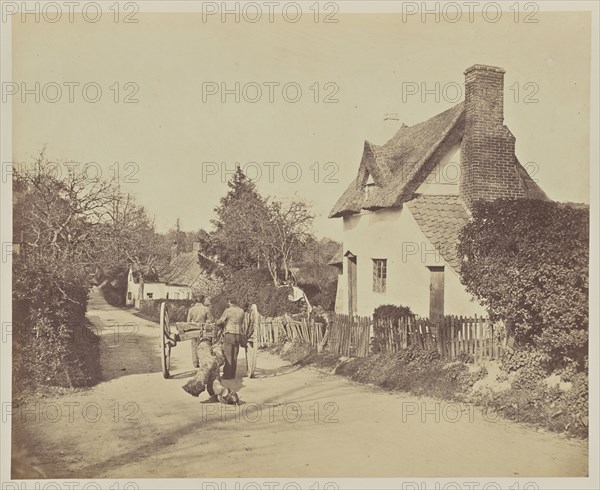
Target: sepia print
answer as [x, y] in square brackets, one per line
[284, 245]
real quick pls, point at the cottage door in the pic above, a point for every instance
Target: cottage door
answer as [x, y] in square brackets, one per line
[436, 292]
[352, 286]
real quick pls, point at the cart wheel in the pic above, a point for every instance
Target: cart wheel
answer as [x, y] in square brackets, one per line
[165, 345]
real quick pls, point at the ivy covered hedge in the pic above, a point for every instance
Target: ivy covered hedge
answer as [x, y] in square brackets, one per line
[527, 262]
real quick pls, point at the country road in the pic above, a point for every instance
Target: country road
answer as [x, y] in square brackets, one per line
[295, 422]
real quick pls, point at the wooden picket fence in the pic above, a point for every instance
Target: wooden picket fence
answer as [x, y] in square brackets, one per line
[271, 331]
[475, 337]
[453, 336]
[350, 335]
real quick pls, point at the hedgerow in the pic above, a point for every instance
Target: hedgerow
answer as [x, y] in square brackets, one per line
[52, 342]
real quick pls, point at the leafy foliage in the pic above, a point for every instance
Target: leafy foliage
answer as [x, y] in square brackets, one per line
[249, 286]
[70, 229]
[240, 218]
[538, 404]
[382, 317]
[527, 262]
[319, 282]
[391, 312]
[52, 343]
[251, 231]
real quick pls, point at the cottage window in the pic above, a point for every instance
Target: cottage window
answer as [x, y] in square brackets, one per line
[167, 296]
[149, 295]
[379, 275]
[129, 295]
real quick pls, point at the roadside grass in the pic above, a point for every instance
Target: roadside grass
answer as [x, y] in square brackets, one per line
[559, 408]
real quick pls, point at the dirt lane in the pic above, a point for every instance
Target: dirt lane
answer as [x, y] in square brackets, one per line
[293, 422]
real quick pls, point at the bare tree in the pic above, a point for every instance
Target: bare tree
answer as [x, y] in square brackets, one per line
[291, 225]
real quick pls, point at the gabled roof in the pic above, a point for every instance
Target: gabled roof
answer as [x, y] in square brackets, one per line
[398, 164]
[441, 218]
[184, 270]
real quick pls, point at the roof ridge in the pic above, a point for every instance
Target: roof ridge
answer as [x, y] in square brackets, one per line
[428, 120]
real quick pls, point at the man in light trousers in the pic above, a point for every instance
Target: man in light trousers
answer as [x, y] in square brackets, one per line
[252, 319]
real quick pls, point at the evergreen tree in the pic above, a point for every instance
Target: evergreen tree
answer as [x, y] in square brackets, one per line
[241, 221]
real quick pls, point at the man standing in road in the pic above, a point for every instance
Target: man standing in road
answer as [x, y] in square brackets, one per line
[251, 324]
[233, 321]
[199, 314]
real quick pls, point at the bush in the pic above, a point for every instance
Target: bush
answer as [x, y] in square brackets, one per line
[527, 262]
[248, 286]
[381, 317]
[524, 358]
[319, 282]
[391, 312]
[114, 296]
[52, 344]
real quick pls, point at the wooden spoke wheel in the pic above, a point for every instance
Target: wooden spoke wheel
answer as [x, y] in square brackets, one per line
[165, 341]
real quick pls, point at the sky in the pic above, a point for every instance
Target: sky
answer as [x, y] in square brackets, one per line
[176, 140]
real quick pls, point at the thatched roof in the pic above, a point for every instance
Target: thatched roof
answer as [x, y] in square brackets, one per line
[396, 166]
[401, 165]
[183, 270]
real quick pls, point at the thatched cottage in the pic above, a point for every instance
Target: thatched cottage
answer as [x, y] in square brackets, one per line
[404, 210]
[184, 278]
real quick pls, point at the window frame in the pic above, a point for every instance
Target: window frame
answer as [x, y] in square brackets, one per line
[379, 275]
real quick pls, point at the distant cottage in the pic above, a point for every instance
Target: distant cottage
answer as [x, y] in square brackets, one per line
[403, 212]
[183, 278]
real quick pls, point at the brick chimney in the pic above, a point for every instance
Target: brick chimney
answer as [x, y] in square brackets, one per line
[488, 162]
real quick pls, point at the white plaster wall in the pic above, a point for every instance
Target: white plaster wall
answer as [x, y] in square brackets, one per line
[393, 234]
[184, 292]
[443, 179]
[341, 296]
[132, 288]
[156, 288]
